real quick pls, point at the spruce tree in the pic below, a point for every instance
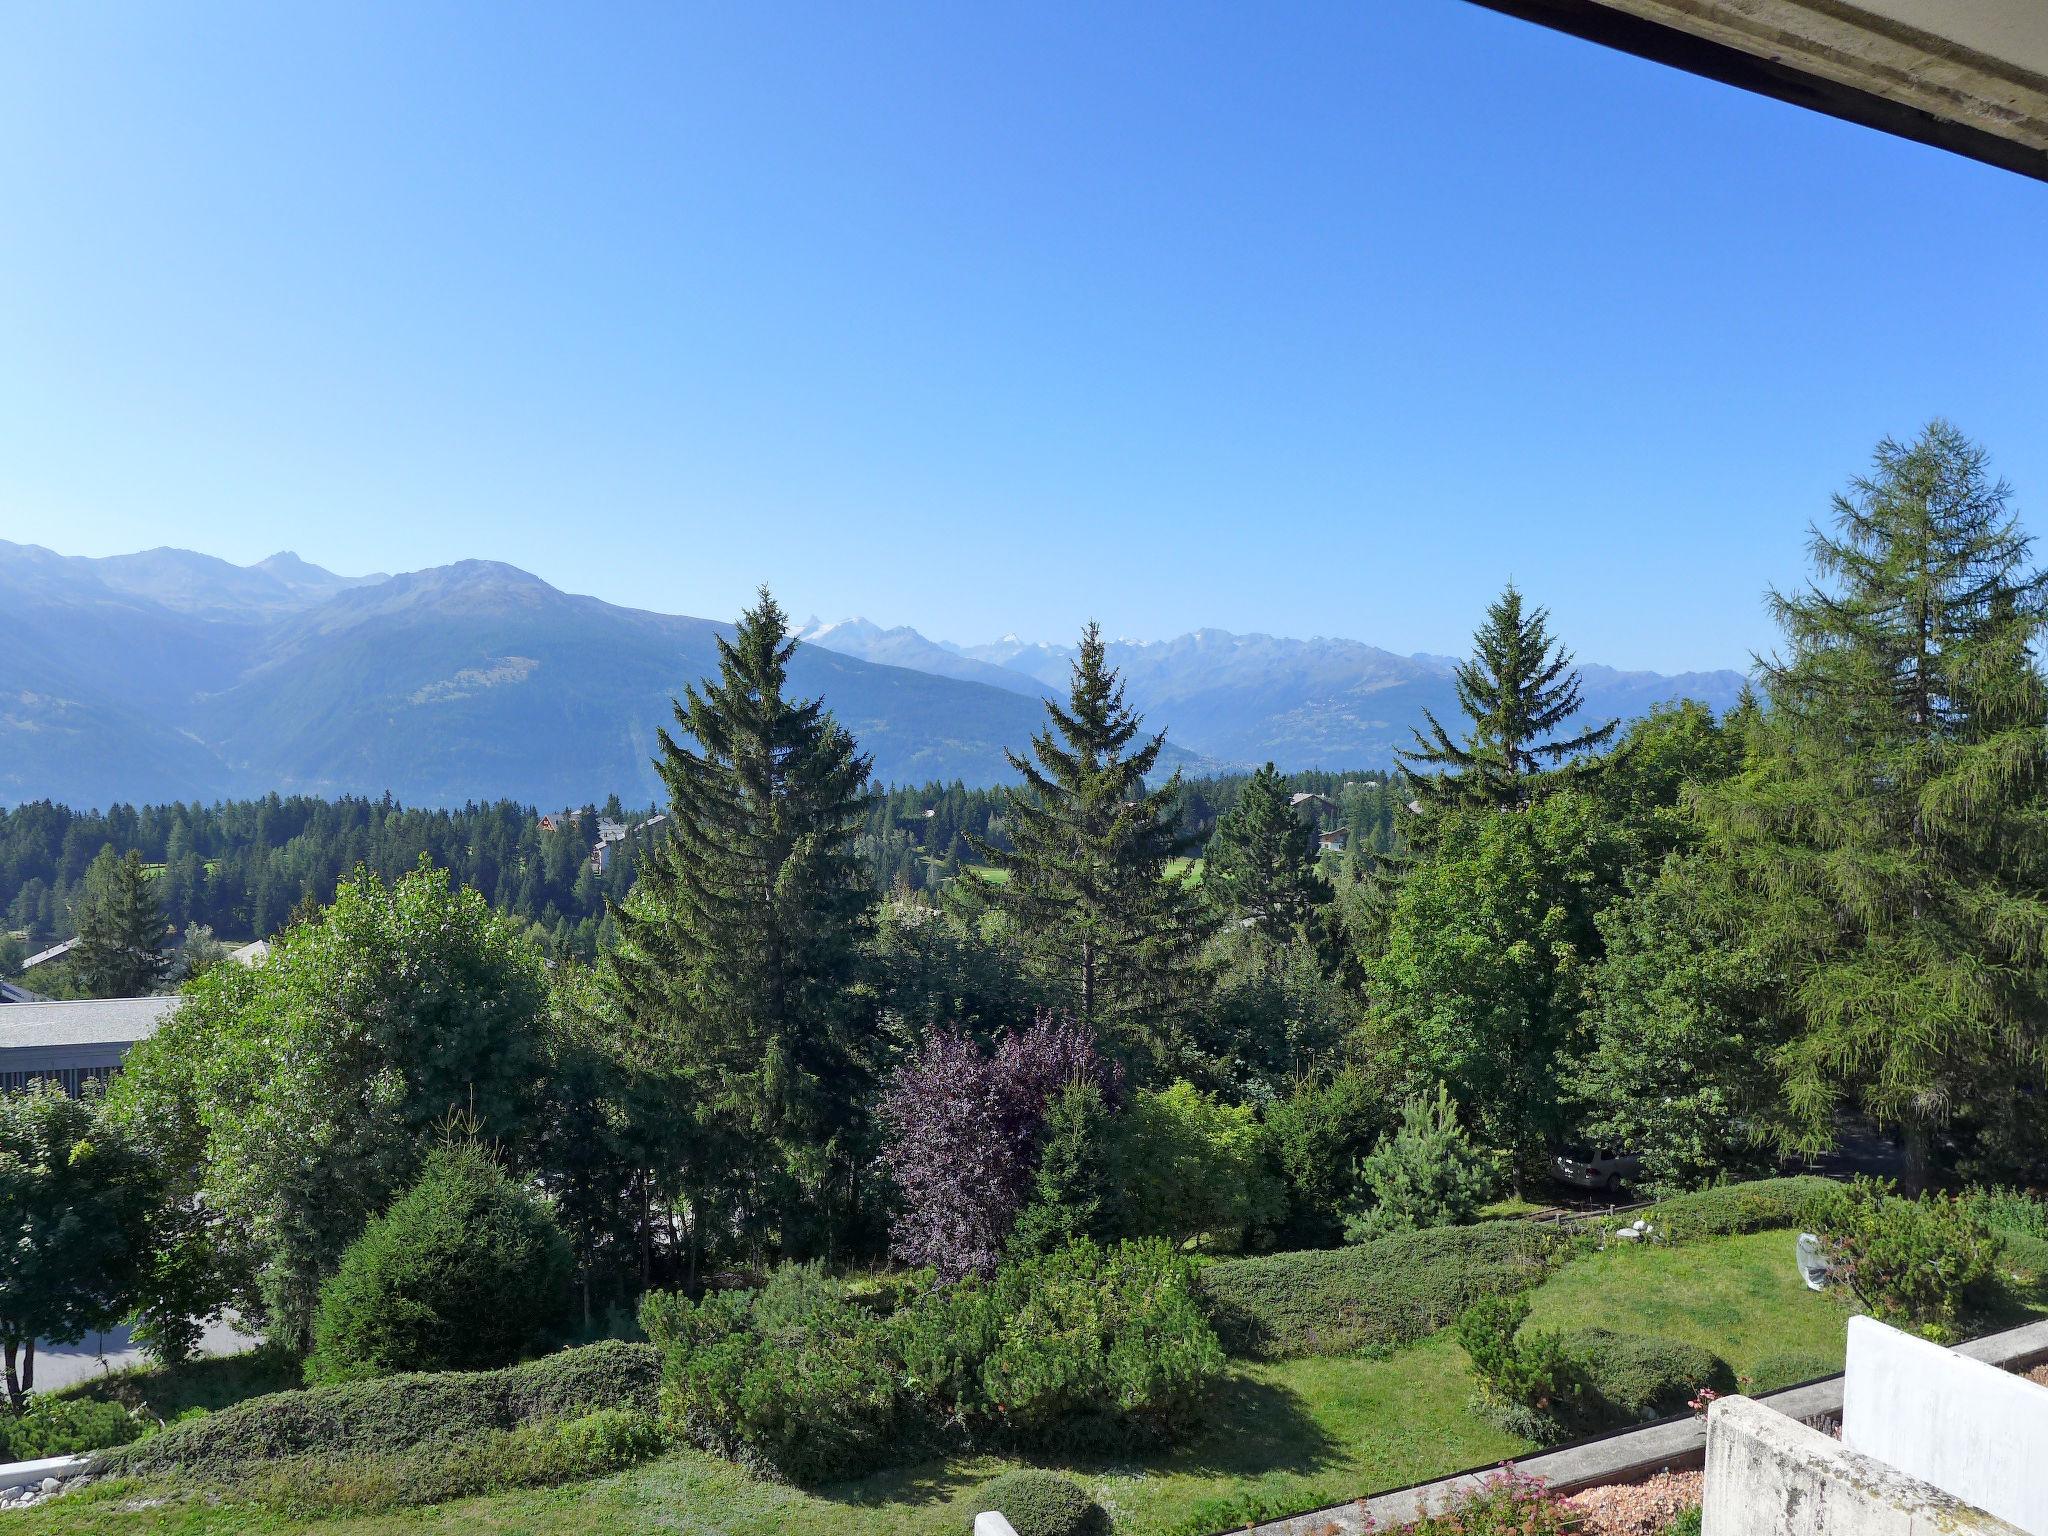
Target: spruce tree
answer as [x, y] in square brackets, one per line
[738, 953]
[121, 950]
[1262, 862]
[1517, 691]
[1086, 880]
[1887, 844]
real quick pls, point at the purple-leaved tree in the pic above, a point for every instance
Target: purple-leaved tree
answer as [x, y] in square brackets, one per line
[961, 1140]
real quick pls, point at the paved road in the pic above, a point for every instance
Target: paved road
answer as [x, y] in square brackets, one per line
[60, 1365]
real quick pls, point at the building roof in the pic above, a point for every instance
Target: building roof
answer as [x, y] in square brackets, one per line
[14, 992]
[110, 1020]
[251, 954]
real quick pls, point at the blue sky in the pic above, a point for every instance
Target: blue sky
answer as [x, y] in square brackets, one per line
[1311, 319]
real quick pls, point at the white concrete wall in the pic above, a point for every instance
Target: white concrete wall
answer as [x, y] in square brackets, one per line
[990, 1523]
[1968, 1428]
[1768, 1475]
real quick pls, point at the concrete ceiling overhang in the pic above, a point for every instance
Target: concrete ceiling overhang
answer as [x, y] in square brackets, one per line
[1965, 75]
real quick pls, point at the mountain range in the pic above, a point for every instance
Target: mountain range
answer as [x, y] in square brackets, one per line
[170, 674]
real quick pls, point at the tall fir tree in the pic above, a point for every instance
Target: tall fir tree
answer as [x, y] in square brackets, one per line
[1887, 843]
[1086, 878]
[738, 954]
[1518, 691]
[121, 951]
[1261, 869]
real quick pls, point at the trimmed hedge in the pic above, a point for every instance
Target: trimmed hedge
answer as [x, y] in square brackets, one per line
[398, 1412]
[1043, 1504]
[537, 1455]
[1759, 1206]
[1376, 1296]
[1631, 1376]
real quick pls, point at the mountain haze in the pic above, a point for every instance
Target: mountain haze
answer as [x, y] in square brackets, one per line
[172, 675]
[169, 674]
[1321, 703]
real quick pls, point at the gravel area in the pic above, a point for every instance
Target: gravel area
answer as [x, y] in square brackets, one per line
[1636, 1509]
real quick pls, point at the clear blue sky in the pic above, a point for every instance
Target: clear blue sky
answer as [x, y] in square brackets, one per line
[1312, 319]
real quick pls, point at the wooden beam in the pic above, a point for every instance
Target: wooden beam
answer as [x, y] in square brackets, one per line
[1833, 57]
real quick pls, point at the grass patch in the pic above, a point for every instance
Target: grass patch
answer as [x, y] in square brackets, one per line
[1740, 1297]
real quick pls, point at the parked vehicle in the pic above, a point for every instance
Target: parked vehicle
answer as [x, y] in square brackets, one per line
[1591, 1168]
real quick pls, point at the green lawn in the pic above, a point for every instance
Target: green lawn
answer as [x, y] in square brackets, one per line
[1286, 1436]
[1741, 1297]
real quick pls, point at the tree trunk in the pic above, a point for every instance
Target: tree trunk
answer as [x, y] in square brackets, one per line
[1913, 1176]
[13, 1382]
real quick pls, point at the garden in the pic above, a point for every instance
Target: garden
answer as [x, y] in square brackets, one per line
[1176, 1396]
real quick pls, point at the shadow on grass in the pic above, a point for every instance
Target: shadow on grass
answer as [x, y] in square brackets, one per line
[212, 1384]
[1254, 1428]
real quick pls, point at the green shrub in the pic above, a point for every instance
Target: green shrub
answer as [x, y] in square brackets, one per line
[1526, 1380]
[1099, 1344]
[1630, 1376]
[816, 1399]
[465, 1272]
[1759, 1206]
[1427, 1173]
[526, 1456]
[1375, 1296]
[2013, 1212]
[1685, 1523]
[609, 1440]
[1790, 1369]
[1192, 1168]
[1042, 1504]
[1919, 1262]
[65, 1426]
[399, 1412]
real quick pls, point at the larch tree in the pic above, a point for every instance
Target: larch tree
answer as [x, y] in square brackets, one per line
[1087, 879]
[738, 955]
[1887, 845]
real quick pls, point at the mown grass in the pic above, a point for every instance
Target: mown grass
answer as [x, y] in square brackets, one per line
[1288, 1435]
[1740, 1297]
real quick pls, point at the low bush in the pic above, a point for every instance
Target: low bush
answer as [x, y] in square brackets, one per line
[65, 1426]
[2013, 1212]
[1923, 1263]
[1042, 1504]
[1102, 1346]
[1375, 1296]
[467, 1271]
[1099, 1345]
[1759, 1206]
[1790, 1369]
[811, 1396]
[533, 1455]
[397, 1413]
[1630, 1376]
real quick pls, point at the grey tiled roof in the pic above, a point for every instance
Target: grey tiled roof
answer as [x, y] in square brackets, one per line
[120, 1019]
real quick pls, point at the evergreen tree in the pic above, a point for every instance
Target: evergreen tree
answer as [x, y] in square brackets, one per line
[1086, 878]
[1262, 862]
[1073, 1194]
[1888, 842]
[121, 950]
[1517, 691]
[738, 952]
